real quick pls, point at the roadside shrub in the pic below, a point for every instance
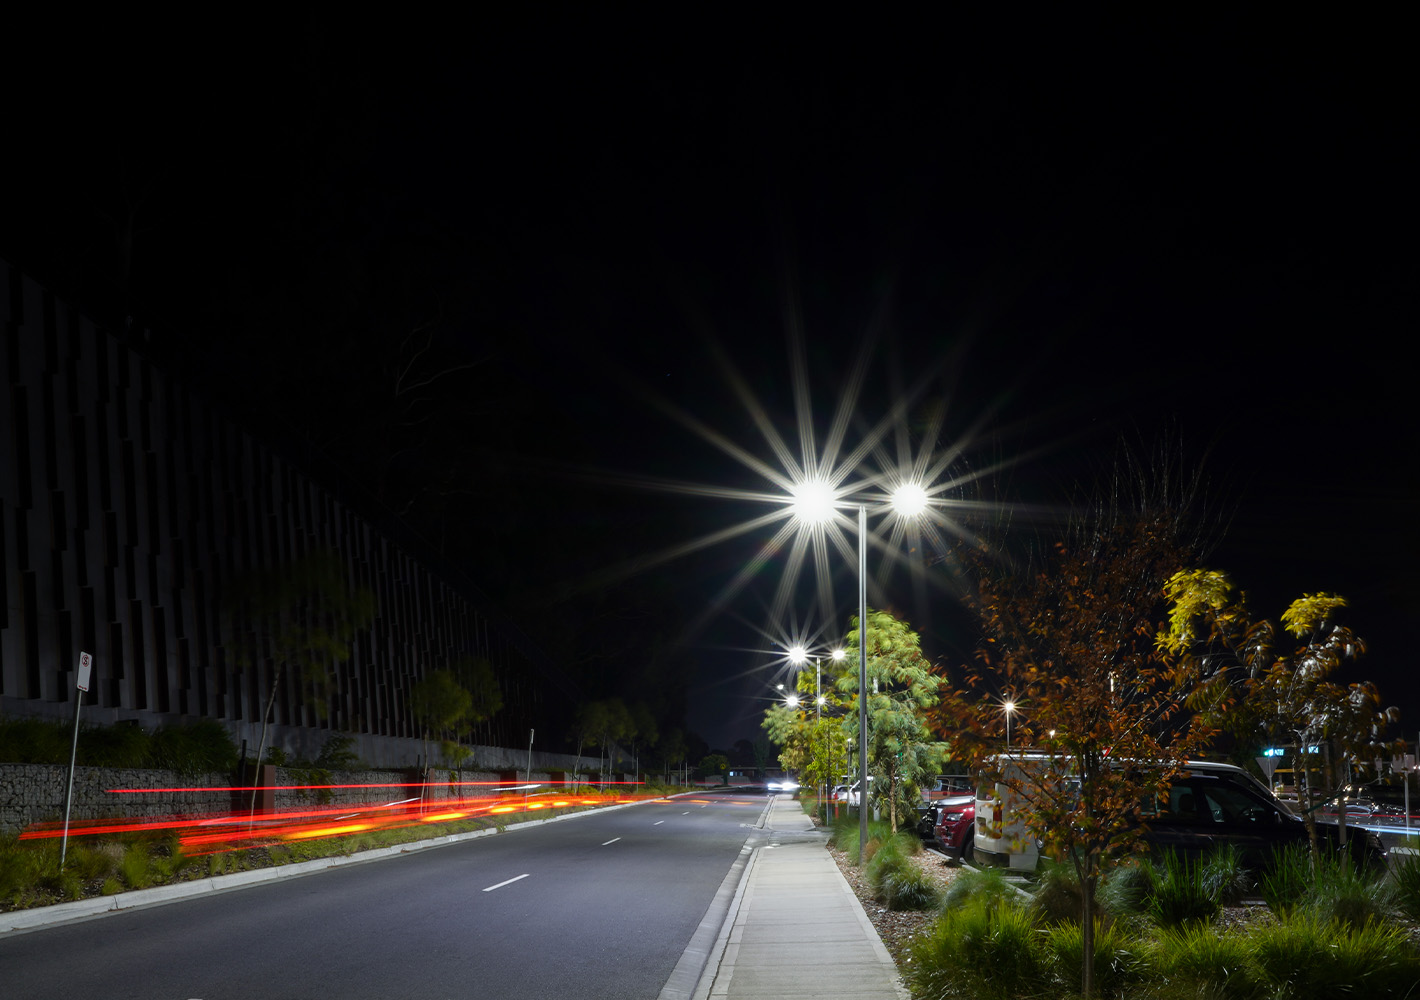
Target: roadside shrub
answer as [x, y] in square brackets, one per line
[1351, 896]
[202, 747]
[984, 949]
[988, 884]
[88, 863]
[336, 754]
[890, 855]
[1179, 894]
[1120, 960]
[21, 869]
[1195, 960]
[1288, 881]
[133, 866]
[1058, 896]
[907, 887]
[1309, 958]
[35, 741]
[844, 835]
[1404, 875]
[1126, 888]
[1225, 878]
[124, 745]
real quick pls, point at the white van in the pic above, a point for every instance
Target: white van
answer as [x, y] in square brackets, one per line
[1001, 835]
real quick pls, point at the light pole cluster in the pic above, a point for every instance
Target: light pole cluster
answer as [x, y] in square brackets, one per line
[798, 656]
[814, 504]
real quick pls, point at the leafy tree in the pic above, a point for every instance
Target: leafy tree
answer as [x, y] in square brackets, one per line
[440, 704]
[476, 675]
[643, 730]
[1258, 685]
[716, 763]
[1069, 636]
[302, 617]
[673, 750]
[812, 740]
[902, 753]
[601, 724]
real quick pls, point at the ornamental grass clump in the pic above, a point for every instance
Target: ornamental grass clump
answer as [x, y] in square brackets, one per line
[985, 948]
[982, 883]
[1121, 959]
[1225, 878]
[895, 879]
[1179, 893]
[1288, 881]
[1404, 875]
[1307, 957]
[1197, 960]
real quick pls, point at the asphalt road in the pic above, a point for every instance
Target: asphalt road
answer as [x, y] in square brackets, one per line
[599, 906]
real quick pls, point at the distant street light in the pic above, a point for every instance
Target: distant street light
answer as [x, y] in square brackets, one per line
[815, 502]
[1010, 707]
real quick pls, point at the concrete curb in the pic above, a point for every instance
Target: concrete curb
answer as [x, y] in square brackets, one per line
[695, 972]
[19, 921]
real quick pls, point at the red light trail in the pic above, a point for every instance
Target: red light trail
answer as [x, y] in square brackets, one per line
[231, 830]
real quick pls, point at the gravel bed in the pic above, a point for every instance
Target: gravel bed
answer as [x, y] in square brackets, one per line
[897, 928]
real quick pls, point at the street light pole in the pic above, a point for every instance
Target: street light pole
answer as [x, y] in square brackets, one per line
[862, 679]
[814, 502]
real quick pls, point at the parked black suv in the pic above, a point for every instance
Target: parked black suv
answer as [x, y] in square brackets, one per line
[1212, 804]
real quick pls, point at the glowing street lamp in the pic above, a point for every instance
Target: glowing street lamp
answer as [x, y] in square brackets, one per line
[1010, 707]
[815, 502]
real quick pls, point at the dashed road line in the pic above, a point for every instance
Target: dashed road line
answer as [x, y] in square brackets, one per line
[611, 841]
[508, 882]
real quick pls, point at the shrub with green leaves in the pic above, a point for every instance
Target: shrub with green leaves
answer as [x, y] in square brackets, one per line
[983, 949]
[908, 888]
[35, 741]
[1179, 892]
[133, 866]
[1197, 960]
[1120, 959]
[844, 834]
[1404, 875]
[1352, 896]
[1126, 888]
[888, 855]
[1058, 896]
[1307, 957]
[202, 747]
[1288, 881]
[1225, 878]
[984, 883]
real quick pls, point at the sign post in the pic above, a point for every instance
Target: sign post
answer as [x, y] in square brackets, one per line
[86, 663]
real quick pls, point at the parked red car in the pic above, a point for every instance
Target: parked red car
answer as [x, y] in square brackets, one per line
[956, 826]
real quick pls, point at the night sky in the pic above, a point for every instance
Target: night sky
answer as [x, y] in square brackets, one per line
[1052, 232]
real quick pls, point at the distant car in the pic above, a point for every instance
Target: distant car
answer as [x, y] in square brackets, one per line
[785, 784]
[955, 830]
[839, 793]
[853, 795]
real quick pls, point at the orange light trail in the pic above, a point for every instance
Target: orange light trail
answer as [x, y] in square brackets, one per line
[233, 830]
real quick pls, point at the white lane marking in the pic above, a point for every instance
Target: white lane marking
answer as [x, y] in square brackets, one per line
[611, 841]
[509, 882]
[658, 822]
[686, 813]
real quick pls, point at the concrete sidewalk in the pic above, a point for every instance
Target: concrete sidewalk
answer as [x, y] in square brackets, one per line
[795, 928]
